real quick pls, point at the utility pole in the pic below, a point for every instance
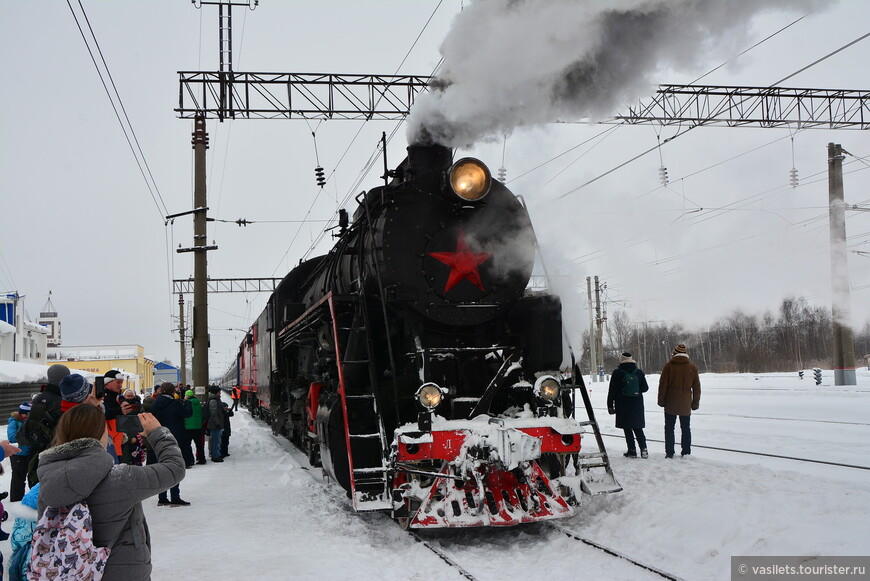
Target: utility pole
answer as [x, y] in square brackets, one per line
[182, 340]
[200, 339]
[593, 340]
[844, 348]
[200, 260]
[599, 347]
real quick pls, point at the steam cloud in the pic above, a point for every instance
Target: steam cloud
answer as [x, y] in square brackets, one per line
[509, 63]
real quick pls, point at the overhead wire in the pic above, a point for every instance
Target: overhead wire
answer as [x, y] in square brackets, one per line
[368, 164]
[127, 129]
[712, 115]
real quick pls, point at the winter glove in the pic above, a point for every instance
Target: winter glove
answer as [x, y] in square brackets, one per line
[695, 407]
[611, 410]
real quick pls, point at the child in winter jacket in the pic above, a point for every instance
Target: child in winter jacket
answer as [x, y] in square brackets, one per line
[22, 531]
[18, 461]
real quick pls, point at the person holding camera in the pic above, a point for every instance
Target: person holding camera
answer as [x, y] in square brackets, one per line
[77, 468]
[171, 412]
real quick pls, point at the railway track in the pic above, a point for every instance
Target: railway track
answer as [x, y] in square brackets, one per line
[761, 454]
[772, 418]
[454, 563]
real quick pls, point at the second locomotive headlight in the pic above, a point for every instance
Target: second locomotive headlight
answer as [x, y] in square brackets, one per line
[547, 388]
[470, 179]
[430, 395]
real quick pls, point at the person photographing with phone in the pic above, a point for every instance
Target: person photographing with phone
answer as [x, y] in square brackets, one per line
[77, 468]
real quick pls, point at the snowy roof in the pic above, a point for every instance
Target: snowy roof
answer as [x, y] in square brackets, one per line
[15, 372]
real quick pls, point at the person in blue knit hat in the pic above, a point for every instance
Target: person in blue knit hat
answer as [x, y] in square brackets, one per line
[19, 460]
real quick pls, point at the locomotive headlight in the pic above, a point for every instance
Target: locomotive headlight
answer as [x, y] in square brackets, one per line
[470, 179]
[547, 388]
[429, 395]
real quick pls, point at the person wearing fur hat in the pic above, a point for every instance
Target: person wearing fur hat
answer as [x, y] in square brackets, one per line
[625, 399]
[19, 460]
[679, 394]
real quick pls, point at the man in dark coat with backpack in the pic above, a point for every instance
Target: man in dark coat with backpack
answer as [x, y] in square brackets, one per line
[45, 412]
[171, 412]
[625, 399]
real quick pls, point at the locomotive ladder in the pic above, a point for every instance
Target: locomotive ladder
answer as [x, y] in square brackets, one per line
[588, 464]
[363, 427]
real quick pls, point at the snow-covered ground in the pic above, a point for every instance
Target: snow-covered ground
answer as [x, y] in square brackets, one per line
[262, 514]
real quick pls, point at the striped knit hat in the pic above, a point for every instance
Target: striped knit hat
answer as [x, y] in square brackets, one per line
[680, 349]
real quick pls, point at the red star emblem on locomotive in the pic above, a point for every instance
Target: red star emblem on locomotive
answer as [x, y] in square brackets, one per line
[463, 263]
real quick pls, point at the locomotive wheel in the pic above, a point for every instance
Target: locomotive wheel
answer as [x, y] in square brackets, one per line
[312, 449]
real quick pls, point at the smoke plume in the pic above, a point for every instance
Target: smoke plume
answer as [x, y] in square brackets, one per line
[509, 63]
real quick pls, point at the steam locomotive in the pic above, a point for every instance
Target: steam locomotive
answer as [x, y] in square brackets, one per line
[414, 366]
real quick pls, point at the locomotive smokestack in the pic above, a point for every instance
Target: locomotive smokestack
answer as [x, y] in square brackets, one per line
[425, 164]
[423, 158]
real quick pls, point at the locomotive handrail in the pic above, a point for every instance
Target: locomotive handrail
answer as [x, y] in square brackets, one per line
[308, 312]
[455, 349]
[403, 468]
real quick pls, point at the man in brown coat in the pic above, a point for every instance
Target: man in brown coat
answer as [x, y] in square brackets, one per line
[679, 394]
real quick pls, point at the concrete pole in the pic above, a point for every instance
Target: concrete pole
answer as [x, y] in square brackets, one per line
[598, 347]
[844, 347]
[181, 339]
[200, 264]
[593, 340]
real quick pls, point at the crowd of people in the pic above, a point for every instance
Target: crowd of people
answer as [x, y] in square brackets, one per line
[66, 443]
[679, 394]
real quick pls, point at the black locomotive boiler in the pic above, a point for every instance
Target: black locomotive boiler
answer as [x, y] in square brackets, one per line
[413, 363]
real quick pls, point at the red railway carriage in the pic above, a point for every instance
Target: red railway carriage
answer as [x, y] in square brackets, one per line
[413, 364]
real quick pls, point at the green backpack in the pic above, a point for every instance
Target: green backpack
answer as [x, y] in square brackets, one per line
[630, 384]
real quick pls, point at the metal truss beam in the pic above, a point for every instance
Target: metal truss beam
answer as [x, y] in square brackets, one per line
[184, 286]
[752, 106]
[234, 95]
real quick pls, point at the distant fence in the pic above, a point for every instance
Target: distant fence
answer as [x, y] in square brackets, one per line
[11, 396]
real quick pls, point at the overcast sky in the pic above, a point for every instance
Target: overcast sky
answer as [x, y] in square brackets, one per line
[78, 219]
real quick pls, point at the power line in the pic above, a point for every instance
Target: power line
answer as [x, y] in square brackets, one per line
[367, 166]
[827, 56]
[680, 133]
[127, 129]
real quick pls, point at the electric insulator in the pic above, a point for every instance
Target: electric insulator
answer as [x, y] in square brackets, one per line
[318, 173]
[793, 178]
[663, 175]
[502, 175]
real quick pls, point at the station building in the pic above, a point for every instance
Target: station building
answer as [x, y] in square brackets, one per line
[99, 359]
[165, 372]
[21, 340]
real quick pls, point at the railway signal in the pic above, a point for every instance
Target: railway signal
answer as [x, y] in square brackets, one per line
[817, 375]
